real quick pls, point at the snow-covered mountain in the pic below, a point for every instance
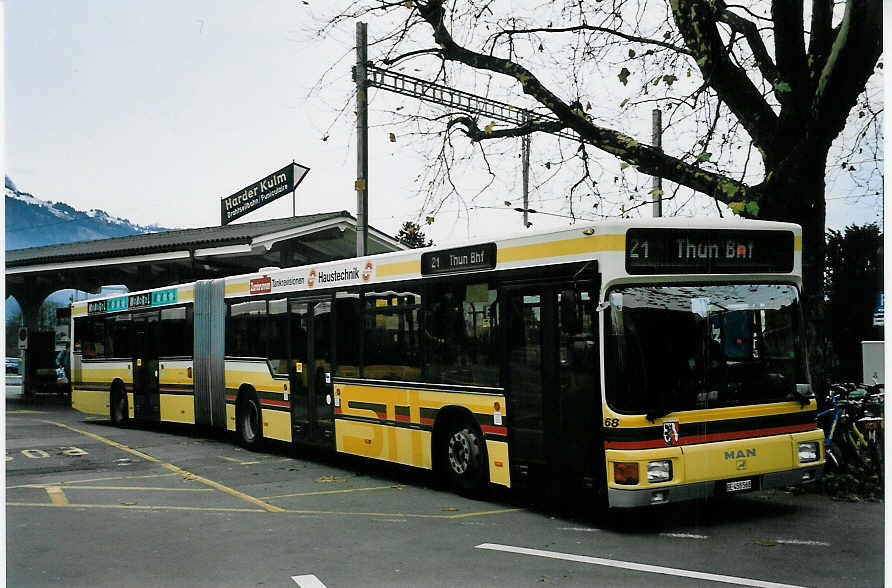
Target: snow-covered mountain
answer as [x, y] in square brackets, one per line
[32, 222]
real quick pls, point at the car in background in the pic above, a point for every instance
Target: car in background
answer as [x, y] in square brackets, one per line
[13, 365]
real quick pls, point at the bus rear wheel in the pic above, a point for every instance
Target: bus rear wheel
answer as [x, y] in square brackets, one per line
[464, 459]
[249, 421]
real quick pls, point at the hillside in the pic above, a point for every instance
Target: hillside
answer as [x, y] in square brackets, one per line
[31, 222]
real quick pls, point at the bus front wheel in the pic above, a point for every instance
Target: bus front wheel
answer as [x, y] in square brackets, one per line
[249, 421]
[464, 459]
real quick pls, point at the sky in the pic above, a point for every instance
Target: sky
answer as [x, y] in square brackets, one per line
[154, 112]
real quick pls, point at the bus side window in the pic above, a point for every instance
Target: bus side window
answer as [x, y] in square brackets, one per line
[247, 329]
[176, 331]
[95, 338]
[391, 342]
[118, 335]
[461, 334]
[279, 345]
[347, 334]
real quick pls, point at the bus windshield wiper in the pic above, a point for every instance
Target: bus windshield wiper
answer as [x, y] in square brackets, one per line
[657, 412]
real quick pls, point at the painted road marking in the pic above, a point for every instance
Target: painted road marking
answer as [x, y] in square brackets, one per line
[344, 491]
[107, 442]
[57, 496]
[801, 542]
[579, 529]
[222, 488]
[69, 482]
[308, 581]
[684, 535]
[26, 412]
[238, 461]
[391, 515]
[628, 565]
[140, 488]
[136, 507]
[173, 468]
[256, 501]
[35, 453]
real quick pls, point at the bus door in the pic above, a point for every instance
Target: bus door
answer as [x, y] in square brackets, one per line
[146, 399]
[312, 411]
[552, 378]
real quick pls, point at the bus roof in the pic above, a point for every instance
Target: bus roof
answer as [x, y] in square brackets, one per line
[602, 240]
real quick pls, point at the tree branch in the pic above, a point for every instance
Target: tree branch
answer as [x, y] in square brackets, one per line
[789, 51]
[647, 159]
[697, 22]
[475, 133]
[856, 48]
[821, 37]
[392, 60]
[750, 31]
[594, 29]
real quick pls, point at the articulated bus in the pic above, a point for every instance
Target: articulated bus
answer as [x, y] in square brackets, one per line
[652, 361]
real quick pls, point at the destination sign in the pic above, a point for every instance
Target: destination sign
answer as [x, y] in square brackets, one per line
[97, 307]
[460, 259]
[144, 300]
[708, 251]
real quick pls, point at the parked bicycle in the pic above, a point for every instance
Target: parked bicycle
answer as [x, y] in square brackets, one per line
[853, 425]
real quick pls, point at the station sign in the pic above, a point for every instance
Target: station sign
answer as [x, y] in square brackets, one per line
[262, 192]
[459, 259]
[720, 251]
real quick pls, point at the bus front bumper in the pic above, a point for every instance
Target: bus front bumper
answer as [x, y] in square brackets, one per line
[620, 498]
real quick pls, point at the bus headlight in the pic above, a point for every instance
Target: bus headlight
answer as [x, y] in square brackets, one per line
[808, 452]
[659, 471]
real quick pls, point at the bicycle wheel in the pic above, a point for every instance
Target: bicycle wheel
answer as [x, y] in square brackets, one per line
[834, 460]
[876, 457]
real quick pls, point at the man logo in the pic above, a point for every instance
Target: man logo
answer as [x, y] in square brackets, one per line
[670, 433]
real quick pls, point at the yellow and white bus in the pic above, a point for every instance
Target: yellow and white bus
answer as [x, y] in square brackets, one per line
[651, 360]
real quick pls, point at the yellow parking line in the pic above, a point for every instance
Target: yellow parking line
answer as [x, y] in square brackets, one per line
[68, 483]
[175, 469]
[107, 442]
[57, 496]
[254, 510]
[403, 514]
[321, 492]
[238, 461]
[136, 507]
[232, 492]
[47, 487]
[483, 513]
[222, 488]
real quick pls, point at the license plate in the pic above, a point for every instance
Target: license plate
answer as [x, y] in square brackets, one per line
[738, 485]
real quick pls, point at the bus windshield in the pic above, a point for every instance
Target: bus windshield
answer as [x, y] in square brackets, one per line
[672, 348]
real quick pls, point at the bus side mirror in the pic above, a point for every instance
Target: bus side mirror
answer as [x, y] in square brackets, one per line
[571, 321]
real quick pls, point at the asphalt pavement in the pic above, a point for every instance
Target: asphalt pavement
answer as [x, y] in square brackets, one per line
[90, 504]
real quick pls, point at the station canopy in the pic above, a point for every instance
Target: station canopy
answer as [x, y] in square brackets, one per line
[159, 259]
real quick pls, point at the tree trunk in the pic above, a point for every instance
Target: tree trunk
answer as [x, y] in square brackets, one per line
[796, 194]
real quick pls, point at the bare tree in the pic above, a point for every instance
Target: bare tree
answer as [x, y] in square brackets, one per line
[757, 91]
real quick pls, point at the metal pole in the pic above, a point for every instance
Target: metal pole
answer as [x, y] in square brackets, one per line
[362, 140]
[658, 143]
[525, 158]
